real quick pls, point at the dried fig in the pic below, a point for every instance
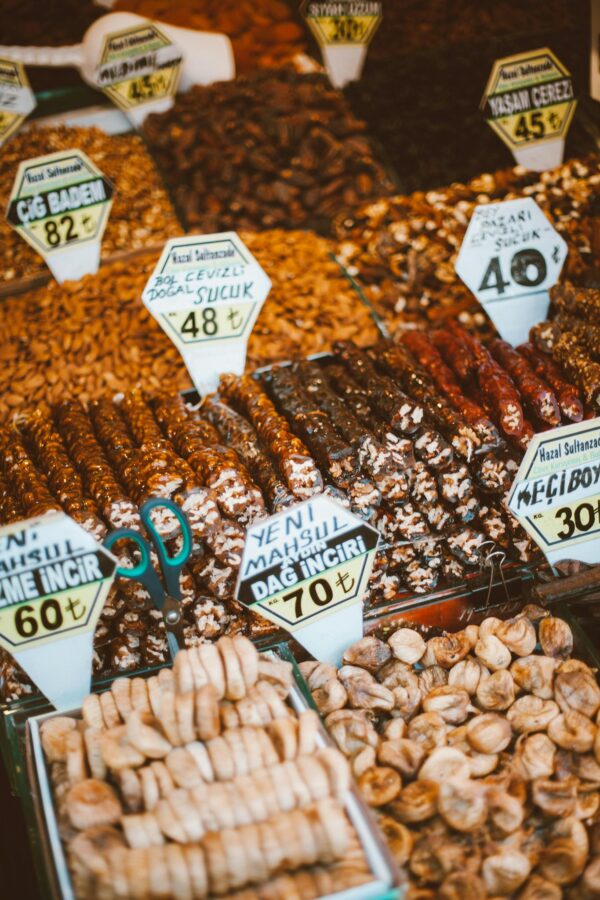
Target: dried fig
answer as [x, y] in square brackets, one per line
[407, 645]
[369, 652]
[529, 714]
[556, 637]
[451, 703]
[496, 692]
[489, 733]
[535, 674]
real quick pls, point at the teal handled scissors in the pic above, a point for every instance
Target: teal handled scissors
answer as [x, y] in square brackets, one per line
[167, 601]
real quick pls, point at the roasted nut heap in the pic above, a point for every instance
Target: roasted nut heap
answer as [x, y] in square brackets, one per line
[141, 214]
[268, 149]
[263, 34]
[403, 250]
[479, 751]
[85, 338]
[311, 303]
[201, 781]
[436, 63]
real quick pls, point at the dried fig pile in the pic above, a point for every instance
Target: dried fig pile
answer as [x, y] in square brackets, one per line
[479, 750]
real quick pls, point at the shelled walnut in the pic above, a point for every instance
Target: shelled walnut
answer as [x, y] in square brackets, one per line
[489, 784]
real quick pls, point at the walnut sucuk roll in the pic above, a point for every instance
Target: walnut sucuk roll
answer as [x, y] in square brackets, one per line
[217, 467]
[97, 475]
[432, 449]
[493, 522]
[384, 395]
[239, 434]
[567, 394]
[586, 331]
[333, 454]
[581, 302]
[52, 459]
[294, 461]
[27, 483]
[493, 474]
[428, 355]
[438, 517]
[579, 366]
[465, 544]
[538, 395]
[375, 459]
[544, 336]
[402, 365]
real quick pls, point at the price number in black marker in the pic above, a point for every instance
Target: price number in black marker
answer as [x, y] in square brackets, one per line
[530, 126]
[61, 231]
[527, 268]
[49, 617]
[146, 87]
[204, 323]
[578, 520]
[319, 592]
[347, 30]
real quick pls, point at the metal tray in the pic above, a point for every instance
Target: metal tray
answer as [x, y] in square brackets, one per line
[49, 851]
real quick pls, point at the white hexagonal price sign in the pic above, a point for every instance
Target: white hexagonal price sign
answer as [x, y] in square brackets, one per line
[54, 581]
[17, 99]
[206, 292]
[510, 256]
[306, 569]
[60, 205]
[556, 494]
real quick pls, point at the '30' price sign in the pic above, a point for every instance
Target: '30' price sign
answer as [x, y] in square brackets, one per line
[510, 256]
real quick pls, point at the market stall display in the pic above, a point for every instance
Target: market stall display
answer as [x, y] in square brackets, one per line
[141, 214]
[270, 149]
[478, 748]
[402, 250]
[203, 780]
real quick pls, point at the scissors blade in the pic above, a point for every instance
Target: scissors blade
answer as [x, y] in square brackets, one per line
[172, 615]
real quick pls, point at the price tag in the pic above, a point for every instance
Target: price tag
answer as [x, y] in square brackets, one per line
[556, 494]
[138, 66]
[306, 570]
[509, 258]
[343, 29]
[529, 103]
[60, 205]
[54, 580]
[16, 97]
[206, 293]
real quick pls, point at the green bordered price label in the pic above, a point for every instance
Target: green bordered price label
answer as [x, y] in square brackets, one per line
[16, 97]
[60, 205]
[529, 100]
[138, 65]
[343, 21]
[54, 580]
[305, 565]
[206, 292]
[556, 494]
[509, 258]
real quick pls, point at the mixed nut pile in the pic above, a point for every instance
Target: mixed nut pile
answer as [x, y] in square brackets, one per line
[202, 781]
[480, 751]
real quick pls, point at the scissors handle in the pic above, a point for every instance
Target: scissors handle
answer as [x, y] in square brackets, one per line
[170, 566]
[144, 571]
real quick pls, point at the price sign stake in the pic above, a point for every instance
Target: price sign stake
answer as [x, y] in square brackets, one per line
[60, 205]
[510, 256]
[529, 103]
[54, 580]
[206, 293]
[16, 97]
[139, 65]
[344, 29]
[306, 570]
[556, 494]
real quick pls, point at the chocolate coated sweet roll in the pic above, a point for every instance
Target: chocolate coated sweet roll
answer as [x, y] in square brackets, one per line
[217, 467]
[333, 454]
[428, 355]
[579, 366]
[583, 303]
[402, 365]
[51, 457]
[383, 394]
[95, 470]
[239, 434]
[295, 463]
[27, 483]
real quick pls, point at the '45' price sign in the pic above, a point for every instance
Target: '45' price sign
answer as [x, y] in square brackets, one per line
[309, 563]
[509, 258]
[54, 580]
[60, 205]
[556, 494]
[206, 293]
